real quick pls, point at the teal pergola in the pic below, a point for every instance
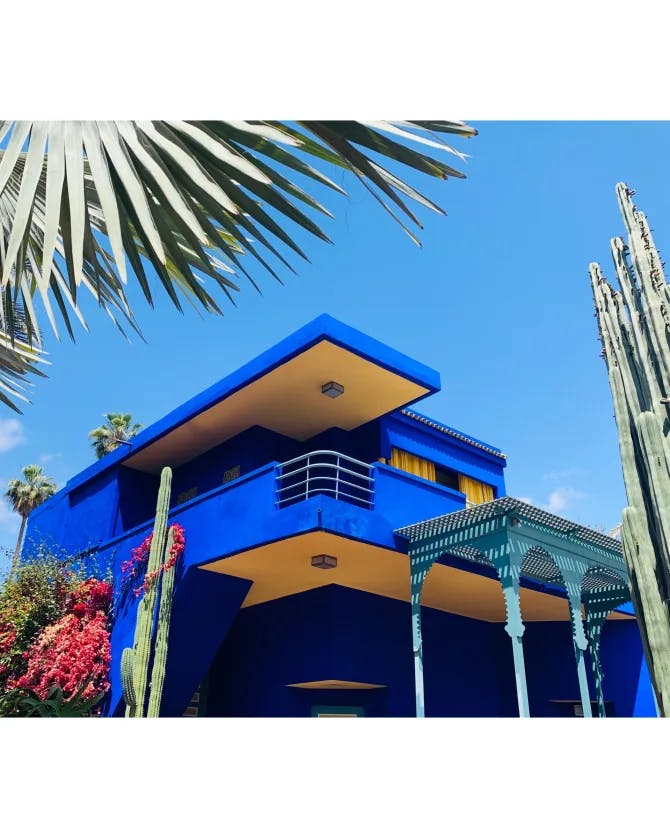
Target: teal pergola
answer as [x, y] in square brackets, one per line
[519, 540]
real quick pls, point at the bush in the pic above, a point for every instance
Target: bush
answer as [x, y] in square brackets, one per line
[54, 636]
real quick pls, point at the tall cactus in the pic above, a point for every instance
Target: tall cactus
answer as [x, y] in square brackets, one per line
[135, 661]
[634, 326]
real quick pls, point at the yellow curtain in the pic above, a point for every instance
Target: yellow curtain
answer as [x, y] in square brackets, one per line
[414, 465]
[474, 491]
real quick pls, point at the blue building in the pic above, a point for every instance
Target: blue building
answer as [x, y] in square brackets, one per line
[347, 555]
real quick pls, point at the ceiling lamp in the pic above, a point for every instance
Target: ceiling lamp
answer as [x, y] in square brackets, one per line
[324, 562]
[332, 389]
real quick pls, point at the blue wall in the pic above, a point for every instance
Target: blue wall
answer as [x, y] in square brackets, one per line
[408, 434]
[250, 450]
[336, 632]
[551, 670]
[119, 499]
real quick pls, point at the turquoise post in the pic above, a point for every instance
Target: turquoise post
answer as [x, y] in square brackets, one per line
[598, 604]
[508, 570]
[515, 628]
[417, 644]
[594, 651]
[580, 643]
[418, 571]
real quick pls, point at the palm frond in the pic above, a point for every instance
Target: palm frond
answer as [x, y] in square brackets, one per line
[180, 200]
[19, 357]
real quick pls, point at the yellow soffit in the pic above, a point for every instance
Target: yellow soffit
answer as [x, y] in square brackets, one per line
[288, 400]
[284, 567]
[336, 684]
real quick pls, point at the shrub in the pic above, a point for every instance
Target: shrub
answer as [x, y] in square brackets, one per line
[54, 637]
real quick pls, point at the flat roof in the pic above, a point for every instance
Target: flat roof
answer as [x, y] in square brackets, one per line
[281, 389]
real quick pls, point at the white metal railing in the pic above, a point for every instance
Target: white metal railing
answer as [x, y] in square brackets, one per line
[325, 472]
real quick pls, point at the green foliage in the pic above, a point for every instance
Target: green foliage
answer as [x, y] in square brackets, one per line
[18, 358]
[54, 705]
[34, 597]
[198, 202]
[26, 495]
[119, 428]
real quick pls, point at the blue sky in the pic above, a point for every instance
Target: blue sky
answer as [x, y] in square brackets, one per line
[497, 300]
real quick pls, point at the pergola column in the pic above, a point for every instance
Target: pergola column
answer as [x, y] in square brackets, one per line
[580, 644]
[419, 571]
[508, 571]
[598, 605]
[593, 631]
[501, 532]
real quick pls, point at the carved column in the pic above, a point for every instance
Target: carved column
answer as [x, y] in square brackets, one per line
[508, 569]
[419, 571]
[598, 605]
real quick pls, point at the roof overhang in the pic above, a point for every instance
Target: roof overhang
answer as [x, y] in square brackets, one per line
[282, 390]
[283, 568]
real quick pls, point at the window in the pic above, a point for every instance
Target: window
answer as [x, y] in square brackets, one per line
[189, 494]
[474, 490]
[232, 474]
[447, 477]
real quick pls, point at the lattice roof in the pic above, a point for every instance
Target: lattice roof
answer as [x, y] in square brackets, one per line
[507, 505]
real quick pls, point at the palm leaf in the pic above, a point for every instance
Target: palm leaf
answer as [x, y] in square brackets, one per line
[179, 200]
[18, 357]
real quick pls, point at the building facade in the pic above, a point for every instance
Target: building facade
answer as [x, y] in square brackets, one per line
[309, 585]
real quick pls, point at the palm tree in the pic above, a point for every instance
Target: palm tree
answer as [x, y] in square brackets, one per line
[24, 496]
[119, 428]
[187, 199]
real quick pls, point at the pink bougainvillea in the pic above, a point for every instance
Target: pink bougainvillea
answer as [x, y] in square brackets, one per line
[54, 631]
[139, 556]
[69, 653]
[89, 597]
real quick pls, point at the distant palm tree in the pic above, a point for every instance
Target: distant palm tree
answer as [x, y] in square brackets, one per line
[119, 429]
[24, 496]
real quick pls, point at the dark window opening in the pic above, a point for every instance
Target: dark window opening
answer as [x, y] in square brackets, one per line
[446, 477]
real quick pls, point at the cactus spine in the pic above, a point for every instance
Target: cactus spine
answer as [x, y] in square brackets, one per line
[634, 326]
[135, 661]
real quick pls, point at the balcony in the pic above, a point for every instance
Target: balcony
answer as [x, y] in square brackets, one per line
[325, 473]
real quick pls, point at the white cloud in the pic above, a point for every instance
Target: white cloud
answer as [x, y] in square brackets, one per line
[566, 474]
[562, 498]
[46, 458]
[11, 434]
[526, 500]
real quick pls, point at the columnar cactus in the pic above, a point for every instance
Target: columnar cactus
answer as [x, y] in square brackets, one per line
[634, 326]
[135, 661]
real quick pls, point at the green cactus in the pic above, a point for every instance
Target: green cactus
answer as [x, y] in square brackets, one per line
[634, 324]
[127, 681]
[135, 661]
[162, 630]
